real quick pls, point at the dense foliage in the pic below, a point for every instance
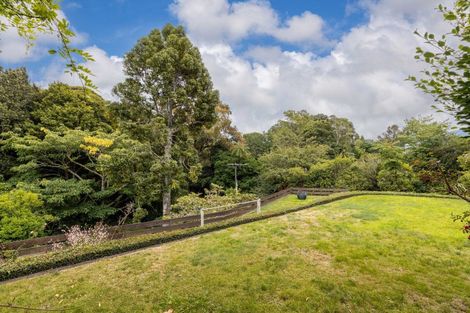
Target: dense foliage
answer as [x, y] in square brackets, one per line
[399, 160]
[20, 216]
[86, 160]
[69, 157]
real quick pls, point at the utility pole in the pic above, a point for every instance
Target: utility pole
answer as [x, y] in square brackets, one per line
[236, 166]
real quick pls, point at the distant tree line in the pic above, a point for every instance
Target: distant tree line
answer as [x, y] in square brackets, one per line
[325, 151]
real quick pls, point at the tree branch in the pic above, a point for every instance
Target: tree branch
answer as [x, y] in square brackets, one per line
[84, 167]
[451, 189]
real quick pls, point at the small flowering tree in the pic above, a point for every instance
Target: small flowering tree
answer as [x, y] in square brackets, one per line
[77, 236]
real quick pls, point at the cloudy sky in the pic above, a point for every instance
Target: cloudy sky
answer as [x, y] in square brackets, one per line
[349, 58]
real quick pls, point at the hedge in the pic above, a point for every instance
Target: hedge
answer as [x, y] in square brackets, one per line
[37, 263]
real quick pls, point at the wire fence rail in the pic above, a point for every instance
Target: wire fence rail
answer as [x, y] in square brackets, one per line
[44, 244]
[248, 203]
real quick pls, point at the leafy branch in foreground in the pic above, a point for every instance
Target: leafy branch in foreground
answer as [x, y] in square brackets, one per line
[448, 57]
[460, 188]
[31, 17]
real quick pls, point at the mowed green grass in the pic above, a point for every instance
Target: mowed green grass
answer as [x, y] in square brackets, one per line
[362, 254]
[288, 202]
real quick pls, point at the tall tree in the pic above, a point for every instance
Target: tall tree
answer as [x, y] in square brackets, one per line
[17, 97]
[168, 85]
[428, 143]
[220, 135]
[391, 134]
[301, 128]
[345, 135]
[395, 174]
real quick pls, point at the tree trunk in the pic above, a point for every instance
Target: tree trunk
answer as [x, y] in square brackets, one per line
[167, 198]
[167, 157]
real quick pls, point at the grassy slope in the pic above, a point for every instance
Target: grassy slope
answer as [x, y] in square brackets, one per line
[368, 253]
[289, 201]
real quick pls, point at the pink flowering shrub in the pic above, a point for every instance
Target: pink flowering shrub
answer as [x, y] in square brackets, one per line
[77, 236]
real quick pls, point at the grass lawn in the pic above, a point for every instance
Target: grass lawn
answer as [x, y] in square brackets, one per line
[289, 201]
[363, 254]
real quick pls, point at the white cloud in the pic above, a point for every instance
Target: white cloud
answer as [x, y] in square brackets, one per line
[14, 49]
[307, 27]
[107, 72]
[215, 21]
[362, 78]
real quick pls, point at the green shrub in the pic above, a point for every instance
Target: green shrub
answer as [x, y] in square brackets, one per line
[19, 215]
[326, 174]
[396, 176]
[464, 189]
[8, 255]
[297, 176]
[191, 203]
[139, 215]
[281, 167]
[362, 174]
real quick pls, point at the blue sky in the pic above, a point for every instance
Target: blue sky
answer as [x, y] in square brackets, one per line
[348, 58]
[116, 25]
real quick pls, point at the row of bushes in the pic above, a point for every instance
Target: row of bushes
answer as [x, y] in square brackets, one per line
[33, 264]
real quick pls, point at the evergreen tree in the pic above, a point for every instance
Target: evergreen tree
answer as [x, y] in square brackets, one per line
[168, 88]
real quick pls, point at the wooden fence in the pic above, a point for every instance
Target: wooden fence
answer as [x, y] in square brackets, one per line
[44, 244]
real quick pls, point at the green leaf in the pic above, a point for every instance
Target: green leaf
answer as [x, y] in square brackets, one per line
[428, 54]
[464, 48]
[450, 16]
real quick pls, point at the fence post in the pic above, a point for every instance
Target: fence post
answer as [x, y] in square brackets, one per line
[202, 217]
[258, 206]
